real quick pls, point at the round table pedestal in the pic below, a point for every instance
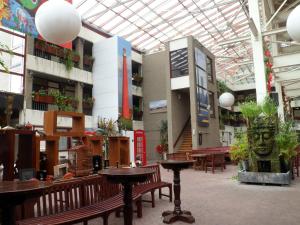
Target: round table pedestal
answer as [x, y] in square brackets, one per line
[127, 177]
[171, 217]
[177, 214]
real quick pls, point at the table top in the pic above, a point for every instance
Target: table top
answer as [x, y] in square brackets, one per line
[171, 161]
[177, 164]
[127, 175]
[128, 172]
[21, 187]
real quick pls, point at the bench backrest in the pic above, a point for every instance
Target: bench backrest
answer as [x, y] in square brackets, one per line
[97, 189]
[60, 197]
[155, 177]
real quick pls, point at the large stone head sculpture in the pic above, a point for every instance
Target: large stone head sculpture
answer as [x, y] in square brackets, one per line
[261, 136]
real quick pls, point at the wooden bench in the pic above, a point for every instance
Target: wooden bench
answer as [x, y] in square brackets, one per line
[78, 200]
[153, 183]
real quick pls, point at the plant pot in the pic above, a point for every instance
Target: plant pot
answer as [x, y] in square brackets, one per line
[244, 165]
[76, 58]
[44, 99]
[164, 156]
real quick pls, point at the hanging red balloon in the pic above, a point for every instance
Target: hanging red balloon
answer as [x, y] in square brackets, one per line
[267, 53]
[269, 65]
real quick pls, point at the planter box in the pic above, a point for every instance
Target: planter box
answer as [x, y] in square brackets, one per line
[265, 178]
[76, 58]
[86, 105]
[87, 61]
[44, 99]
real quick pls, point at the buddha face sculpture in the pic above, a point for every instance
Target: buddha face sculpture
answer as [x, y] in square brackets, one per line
[261, 137]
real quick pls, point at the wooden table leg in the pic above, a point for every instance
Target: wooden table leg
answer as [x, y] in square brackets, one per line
[8, 215]
[177, 214]
[128, 211]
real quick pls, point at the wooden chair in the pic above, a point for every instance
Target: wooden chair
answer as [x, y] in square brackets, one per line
[215, 160]
[152, 183]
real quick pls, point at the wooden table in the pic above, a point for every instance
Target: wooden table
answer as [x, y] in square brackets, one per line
[177, 214]
[13, 193]
[200, 160]
[127, 177]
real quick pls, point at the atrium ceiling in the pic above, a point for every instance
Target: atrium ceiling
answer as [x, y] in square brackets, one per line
[222, 26]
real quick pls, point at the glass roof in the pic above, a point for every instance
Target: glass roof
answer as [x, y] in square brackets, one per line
[149, 24]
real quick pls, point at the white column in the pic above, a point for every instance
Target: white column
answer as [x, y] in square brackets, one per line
[258, 53]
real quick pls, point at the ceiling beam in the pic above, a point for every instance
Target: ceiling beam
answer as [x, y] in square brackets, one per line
[248, 37]
[287, 76]
[286, 60]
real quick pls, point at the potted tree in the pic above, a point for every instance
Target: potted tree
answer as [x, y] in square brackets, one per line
[239, 151]
[286, 141]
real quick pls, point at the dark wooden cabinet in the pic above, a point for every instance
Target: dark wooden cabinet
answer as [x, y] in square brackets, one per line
[17, 147]
[119, 153]
[95, 143]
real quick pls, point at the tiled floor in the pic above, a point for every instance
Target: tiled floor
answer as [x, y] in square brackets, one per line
[218, 199]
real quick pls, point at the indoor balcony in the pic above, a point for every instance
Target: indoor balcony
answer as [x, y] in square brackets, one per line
[60, 62]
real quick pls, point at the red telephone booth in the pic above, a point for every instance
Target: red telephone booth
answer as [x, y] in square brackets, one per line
[140, 145]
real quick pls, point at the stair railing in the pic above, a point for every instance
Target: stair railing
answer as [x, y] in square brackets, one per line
[182, 130]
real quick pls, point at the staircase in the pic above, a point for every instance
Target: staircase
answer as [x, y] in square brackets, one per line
[186, 145]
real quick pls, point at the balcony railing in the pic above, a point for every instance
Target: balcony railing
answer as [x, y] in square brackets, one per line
[58, 54]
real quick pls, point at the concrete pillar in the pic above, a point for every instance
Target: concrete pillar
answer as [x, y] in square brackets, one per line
[30, 45]
[79, 95]
[258, 53]
[193, 98]
[79, 44]
[28, 90]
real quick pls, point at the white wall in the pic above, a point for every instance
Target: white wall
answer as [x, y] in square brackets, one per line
[105, 78]
[136, 57]
[130, 134]
[45, 66]
[90, 35]
[180, 82]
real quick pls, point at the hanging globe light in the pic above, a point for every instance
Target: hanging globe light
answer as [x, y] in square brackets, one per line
[226, 99]
[292, 24]
[57, 21]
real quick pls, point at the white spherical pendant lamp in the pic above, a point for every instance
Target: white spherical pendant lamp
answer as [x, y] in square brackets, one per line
[226, 99]
[292, 24]
[57, 21]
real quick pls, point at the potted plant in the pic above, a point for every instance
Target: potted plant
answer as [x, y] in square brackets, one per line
[87, 103]
[124, 124]
[107, 128]
[137, 78]
[286, 141]
[64, 103]
[239, 151]
[250, 110]
[68, 60]
[162, 148]
[43, 97]
[75, 57]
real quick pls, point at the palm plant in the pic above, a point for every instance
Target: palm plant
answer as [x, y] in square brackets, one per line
[287, 140]
[269, 108]
[107, 128]
[250, 110]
